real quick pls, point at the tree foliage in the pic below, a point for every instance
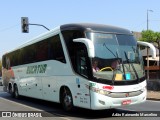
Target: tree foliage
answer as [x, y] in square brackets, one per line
[150, 36]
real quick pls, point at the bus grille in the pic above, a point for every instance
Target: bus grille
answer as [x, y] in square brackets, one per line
[125, 94]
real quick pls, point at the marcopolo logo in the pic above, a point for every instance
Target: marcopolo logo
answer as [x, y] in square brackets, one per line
[36, 69]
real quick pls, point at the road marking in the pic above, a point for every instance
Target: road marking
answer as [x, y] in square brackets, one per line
[34, 109]
[21, 104]
[126, 109]
[152, 100]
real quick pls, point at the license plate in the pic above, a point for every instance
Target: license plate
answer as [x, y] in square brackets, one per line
[126, 102]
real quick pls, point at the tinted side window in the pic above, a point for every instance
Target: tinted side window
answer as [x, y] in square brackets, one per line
[41, 51]
[55, 49]
[48, 49]
[69, 35]
[31, 53]
[77, 52]
[4, 61]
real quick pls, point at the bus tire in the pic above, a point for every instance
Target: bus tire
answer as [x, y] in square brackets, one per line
[66, 99]
[16, 93]
[10, 90]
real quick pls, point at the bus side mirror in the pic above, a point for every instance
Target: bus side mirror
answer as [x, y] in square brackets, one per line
[89, 45]
[152, 48]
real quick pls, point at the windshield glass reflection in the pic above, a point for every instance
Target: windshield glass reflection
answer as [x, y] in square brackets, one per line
[116, 57]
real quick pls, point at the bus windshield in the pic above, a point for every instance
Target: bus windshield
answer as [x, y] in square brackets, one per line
[116, 58]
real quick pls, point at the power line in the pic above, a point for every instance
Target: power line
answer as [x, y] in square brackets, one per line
[139, 25]
[8, 28]
[154, 20]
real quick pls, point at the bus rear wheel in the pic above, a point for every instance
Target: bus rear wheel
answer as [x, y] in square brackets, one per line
[10, 89]
[16, 93]
[67, 101]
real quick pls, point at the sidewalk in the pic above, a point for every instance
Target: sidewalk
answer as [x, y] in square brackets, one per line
[153, 95]
[153, 90]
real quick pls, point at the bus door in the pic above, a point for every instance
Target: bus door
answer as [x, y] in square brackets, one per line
[82, 68]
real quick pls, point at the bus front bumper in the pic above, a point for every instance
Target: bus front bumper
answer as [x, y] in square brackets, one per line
[104, 102]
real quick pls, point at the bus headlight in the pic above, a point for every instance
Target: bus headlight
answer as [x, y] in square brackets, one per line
[103, 92]
[100, 91]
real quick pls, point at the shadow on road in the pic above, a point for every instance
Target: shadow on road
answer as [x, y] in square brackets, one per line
[50, 109]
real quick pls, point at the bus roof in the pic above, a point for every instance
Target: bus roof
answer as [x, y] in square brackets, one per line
[95, 27]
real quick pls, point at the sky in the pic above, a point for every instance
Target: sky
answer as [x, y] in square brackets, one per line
[129, 14]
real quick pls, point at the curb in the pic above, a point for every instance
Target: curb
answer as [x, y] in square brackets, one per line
[155, 99]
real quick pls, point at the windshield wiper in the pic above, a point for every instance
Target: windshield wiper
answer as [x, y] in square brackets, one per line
[116, 56]
[104, 44]
[131, 65]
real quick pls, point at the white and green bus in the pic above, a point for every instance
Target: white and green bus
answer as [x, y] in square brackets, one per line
[58, 66]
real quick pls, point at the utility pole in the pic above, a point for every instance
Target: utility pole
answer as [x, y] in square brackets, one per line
[148, 19]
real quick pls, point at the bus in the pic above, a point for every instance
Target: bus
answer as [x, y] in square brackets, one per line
[86, 65]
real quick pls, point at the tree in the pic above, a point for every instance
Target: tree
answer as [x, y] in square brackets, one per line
[150, 36]
[157, 39]
[147, 36]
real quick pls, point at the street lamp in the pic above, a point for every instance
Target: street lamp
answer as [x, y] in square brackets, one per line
[158, 41]
[147, 17]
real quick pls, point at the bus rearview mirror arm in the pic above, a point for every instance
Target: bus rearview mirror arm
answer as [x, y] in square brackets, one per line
[89, 45]
[151, 46]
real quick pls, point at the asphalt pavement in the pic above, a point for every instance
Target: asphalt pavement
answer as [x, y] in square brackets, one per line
[7, 103]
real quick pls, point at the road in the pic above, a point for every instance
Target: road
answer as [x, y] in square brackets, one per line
[27, 109]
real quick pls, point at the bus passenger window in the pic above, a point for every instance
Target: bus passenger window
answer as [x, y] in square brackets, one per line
[55, 49]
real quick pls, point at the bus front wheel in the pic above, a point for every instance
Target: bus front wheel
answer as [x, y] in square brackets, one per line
[67, 101]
